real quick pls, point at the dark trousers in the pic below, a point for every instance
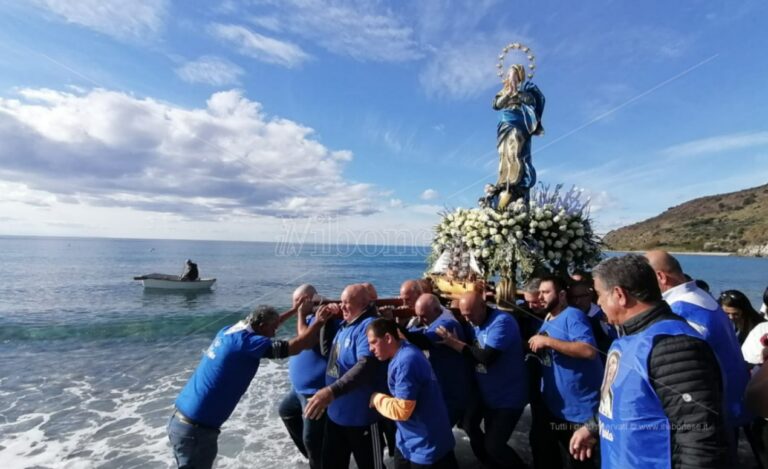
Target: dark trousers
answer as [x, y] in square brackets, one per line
[307, 434]
[455, 412]
[550, 443]
[340, 442]
[389, 433]
[194, 447]
[446, 462]
[490, 446]
[757, 434]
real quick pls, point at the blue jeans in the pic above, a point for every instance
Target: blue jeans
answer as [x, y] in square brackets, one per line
[193, 447]
[307, 434]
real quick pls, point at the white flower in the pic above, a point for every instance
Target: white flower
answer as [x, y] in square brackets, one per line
[493, 231]
[497, 239]
[563, 227]
[486, 253]
[550, 255]
[504, 231]
[534, 224]
[519, 234]
[545, 233]
[558, 244]
[579, 232]
[478, 241]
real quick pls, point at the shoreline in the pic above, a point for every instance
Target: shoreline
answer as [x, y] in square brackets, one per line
[683, 253]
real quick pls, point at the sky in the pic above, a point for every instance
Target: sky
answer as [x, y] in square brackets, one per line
[361, 121]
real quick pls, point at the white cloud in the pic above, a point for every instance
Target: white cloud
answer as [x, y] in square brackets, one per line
[210, 70]
[466, 67]
[260, 47]
[361, 30]
[718, 144]
[429, 194]
[123, 19]
[105, 148]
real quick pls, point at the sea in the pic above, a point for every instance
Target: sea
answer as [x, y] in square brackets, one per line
[90, 362]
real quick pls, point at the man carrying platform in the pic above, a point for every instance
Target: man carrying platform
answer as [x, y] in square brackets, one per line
[570, 377]
[497, 355]
[307, 374]
[353, 374]
[222, 377]
[424, 436]
[449, 365]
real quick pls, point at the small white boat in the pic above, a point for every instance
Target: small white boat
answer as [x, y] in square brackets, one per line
[174, 282]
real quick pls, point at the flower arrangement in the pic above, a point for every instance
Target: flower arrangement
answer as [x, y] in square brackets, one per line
[553, 231]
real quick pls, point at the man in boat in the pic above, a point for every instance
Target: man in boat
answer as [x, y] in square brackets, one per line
[222, 377]
[190, 272]
[307, 374]
[353, 374]
[414, 402]
[661, 401]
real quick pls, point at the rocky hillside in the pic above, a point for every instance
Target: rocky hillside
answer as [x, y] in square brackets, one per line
[734, 222]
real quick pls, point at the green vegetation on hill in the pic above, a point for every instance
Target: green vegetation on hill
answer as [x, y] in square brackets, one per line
[733, 222]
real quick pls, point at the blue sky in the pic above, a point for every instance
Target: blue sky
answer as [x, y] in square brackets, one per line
[359, 121]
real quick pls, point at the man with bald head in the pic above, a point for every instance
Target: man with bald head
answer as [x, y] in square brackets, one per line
[449, 366]
[351, 377]
[410, 291]
[704, 314]
[497, 355]
[307, 374]
[370, 290]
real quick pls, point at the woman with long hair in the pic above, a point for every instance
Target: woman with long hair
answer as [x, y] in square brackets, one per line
[740, 311]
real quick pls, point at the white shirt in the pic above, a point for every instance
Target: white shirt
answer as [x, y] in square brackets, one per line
[752, 349]
[690, 293]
